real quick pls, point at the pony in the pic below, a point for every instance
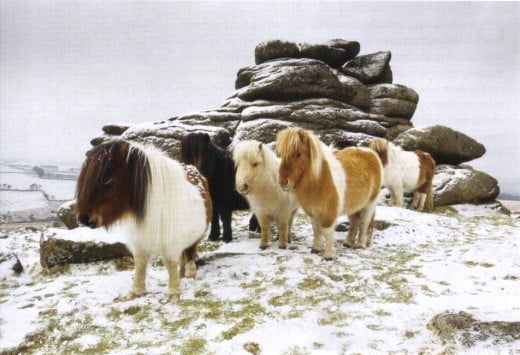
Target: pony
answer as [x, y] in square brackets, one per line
[330, 183]
[406, 171]
[166, 205]
[218, 168]
[257, 180]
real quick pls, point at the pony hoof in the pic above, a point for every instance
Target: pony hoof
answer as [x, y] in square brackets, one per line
[263, 247]
[348, 245]
[359, 246]
[175, 297]
[328, 259]
[213, 238]
[227, 239]
[282, 246]
[316, 251]
[133, 295]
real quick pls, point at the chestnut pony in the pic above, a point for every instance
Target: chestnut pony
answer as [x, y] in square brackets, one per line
[406, 171]
[257, 180]
[330, 183]
[166, 205]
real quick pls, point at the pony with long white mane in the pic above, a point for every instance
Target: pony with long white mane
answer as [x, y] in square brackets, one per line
[167, 206]
[257, 179]
[406, 171]
[330, 183]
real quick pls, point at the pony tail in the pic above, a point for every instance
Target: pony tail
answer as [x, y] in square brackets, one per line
[139, 180]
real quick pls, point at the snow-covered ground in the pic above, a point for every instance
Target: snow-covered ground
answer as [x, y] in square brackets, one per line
[245, 300]
[19, 203]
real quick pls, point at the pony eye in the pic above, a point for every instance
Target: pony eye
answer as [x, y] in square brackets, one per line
[255, 165]
[297, 155]
[107, 180]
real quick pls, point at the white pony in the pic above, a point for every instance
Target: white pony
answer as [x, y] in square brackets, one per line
[257, 180]
[406, 171]
[167, 204]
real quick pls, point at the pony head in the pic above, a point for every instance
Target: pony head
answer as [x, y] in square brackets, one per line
[112, 184]
[301, 154]
[249, 162]
[197, 149]
[381, 147]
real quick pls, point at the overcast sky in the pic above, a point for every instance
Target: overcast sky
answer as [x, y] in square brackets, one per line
[69, 68]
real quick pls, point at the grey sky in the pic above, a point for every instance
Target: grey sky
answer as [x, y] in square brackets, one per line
[69, 68]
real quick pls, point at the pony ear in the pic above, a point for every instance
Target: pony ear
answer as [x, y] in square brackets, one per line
[260, 146]
[206, 138]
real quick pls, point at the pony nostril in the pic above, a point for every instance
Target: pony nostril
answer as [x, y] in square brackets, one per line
[245, 187]
[283, 183]
[84, 219]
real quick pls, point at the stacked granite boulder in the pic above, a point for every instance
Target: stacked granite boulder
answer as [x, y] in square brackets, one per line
[344, 97]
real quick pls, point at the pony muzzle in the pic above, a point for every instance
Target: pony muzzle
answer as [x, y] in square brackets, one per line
[243, 189]
[284, 185]
[86, 220]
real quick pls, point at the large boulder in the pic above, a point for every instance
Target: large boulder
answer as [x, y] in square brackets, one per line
[292, 79]
[392, 100]
[167, 135]
[275, 49]
[54, 252]
[462, 184]
[463, 328]
[351, 48]
[446, 145]
[332, 56]
[371, 68]
[265, 130]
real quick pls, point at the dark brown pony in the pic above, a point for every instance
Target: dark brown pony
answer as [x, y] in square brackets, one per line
[166, 205]
[218, 168]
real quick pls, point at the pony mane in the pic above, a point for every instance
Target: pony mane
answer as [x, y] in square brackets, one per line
[290, 141]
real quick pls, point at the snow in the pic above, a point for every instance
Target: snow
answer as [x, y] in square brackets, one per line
[378, 300]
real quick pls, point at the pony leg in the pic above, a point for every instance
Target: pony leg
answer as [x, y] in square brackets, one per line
[317, 244]
[215, 226]
[396, 193]
[226, 226]
[174, 286]
[283, 230]
[138, 286]
[289, 232]
[419, 199]
[265, 231]
[188, 267]
[330, 250]
[366, 218]
[350, 241]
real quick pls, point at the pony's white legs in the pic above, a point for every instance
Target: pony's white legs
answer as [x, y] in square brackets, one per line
[174, 286]
[366, 222]
[317, 244]
[265, 231]
[283, 230]
[396, 193]
[138, 286]
[350, 241]
[330, 250]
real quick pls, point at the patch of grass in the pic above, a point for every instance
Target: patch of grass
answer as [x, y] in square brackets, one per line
[193, 346]
[243, 326]
[382, 313]
[252, 348]
[311, 283]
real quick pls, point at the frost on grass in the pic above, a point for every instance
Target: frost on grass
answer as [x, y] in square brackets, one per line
[386, 298]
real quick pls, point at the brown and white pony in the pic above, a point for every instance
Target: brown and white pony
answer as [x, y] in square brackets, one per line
[167, 206]
[406, 171]
[330, 183]
[257, 180]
